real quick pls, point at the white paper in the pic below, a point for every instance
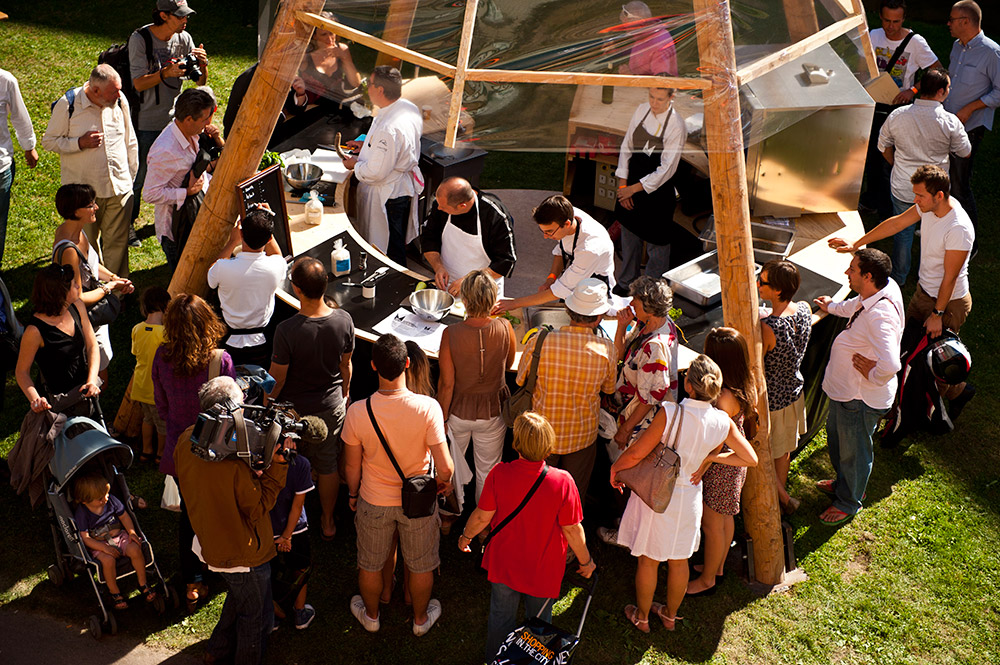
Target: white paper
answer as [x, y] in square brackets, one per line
[332, 165]
[405, 325]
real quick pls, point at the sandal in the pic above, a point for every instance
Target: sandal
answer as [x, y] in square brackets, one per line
[631, 612]
[196, 591]
[149, 593]
[119, 601]
[668, 622]
[139, 502]
[833, 516]
[146, 457]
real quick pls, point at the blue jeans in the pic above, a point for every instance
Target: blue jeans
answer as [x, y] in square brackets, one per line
[247, 618]
[145, 140]
[658, 263]
[397, 212]
[504, 602]
[849, 429]
[6, 181]
[902, 244]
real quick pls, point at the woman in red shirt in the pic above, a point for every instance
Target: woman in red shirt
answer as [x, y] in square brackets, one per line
[528, 557]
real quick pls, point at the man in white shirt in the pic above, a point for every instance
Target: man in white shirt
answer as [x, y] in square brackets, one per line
[943, 298]
[247, 283]
[91, 130]
[11, 104]
[860, 378]
[923, 133]
[584, 250]
[171, 158]
[387, 168]
[914, 55]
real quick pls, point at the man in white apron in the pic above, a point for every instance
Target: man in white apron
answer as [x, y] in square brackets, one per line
[386, 167]
[467, 230]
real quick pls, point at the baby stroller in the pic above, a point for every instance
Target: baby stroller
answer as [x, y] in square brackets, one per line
[83, 447]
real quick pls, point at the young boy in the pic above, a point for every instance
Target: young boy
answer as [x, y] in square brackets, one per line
[290, 570]
[108, 533]
[146, 338]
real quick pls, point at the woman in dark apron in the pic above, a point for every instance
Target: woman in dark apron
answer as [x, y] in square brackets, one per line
[648, 216]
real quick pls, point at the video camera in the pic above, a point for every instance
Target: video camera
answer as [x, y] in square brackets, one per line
[191, 67]
[252, 432]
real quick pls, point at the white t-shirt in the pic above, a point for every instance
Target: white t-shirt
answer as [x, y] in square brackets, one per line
[916, 55]
[937, 235]
[247, 284]
[593, 255]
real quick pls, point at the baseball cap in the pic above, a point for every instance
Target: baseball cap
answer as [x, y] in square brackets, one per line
[178, 8]
[589, 298]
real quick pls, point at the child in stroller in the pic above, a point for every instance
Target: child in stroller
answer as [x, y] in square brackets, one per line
[108, 532]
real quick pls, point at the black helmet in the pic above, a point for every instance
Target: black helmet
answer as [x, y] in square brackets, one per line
[949, 359]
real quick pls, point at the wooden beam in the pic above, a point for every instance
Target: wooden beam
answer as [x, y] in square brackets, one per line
[798, 49]
[584, 78]
[724, 135]
[462, 64]
[801, 18]
[247, 140]
[866, 40]
[398, 24]
[379, 45]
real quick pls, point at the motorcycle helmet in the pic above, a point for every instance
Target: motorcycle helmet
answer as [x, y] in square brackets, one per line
[949, 359]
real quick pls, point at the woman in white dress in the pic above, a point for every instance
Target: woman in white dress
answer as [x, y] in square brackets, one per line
[673, 535]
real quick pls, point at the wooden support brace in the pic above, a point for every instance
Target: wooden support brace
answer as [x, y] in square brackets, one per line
[798, 49]
[585, 78]
[866, 40]
[801, 18]
[398, 24]
[723, 132]
[462, 64]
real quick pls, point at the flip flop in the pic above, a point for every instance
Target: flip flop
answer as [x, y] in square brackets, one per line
[642, 624]
[833, 516]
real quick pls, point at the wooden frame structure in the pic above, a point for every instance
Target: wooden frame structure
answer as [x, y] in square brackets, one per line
[720, 85]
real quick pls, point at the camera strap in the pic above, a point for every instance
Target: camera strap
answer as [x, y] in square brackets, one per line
[242, 440]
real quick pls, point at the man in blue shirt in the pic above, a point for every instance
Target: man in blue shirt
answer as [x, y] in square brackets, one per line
[975, 91]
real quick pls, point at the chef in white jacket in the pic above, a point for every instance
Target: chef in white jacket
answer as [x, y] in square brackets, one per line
[386, 167]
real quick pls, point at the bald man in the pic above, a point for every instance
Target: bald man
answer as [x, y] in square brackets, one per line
[467, 230]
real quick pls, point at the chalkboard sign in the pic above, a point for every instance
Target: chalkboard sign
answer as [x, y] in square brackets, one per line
[268, 187]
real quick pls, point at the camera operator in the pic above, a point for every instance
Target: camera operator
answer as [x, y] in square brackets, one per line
[228, 504]
[170, 159]
[161, 55]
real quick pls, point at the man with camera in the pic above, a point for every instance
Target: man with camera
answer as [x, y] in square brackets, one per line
[171, 158]
[228, 504]
[411, 426]
[161, 55]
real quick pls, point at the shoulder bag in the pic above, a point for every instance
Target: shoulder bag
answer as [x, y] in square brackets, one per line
[654, 477]
[520, 400]
[419, 493]
[105, 310]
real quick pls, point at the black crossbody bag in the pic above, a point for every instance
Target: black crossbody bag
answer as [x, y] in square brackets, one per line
[419, 493]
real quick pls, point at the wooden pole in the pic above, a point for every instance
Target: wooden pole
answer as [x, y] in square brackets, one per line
[866, 40]
[398, 25]
[254, 123]
[461, 64]
[739, 296]
[801, 18]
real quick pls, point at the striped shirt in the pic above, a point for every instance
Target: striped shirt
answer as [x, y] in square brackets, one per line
[575, 366]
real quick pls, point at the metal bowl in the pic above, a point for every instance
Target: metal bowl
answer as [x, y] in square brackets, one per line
[303, 175]
[431, 304]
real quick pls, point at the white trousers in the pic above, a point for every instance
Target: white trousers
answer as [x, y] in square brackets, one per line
[487, 437]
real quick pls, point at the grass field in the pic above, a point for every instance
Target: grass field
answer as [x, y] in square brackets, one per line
[915, 578]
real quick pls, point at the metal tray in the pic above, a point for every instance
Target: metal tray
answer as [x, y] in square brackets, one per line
[698, 280]
[769, 242]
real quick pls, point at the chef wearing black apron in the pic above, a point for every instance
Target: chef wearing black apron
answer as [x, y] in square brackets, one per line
[648, 159]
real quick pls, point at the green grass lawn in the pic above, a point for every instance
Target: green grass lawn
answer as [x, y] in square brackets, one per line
[915, 578]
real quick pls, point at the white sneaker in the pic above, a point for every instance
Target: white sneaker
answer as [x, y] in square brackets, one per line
[433, 614]
[358, 610]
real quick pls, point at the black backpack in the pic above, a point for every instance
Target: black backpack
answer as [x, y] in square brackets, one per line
[117, 56]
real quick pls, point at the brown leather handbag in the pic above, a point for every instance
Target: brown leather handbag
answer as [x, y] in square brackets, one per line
[654, 477]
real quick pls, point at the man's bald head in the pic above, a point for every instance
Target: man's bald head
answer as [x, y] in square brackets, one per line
[455, 196]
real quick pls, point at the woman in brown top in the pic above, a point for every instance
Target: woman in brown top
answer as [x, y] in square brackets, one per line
[470, 399]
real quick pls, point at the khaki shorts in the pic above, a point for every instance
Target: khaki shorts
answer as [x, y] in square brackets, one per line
[787, 425]
[151, 415]
[955, 312]
[419, 539]
[323, 456]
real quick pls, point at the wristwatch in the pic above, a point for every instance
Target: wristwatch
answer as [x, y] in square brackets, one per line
[938, 312]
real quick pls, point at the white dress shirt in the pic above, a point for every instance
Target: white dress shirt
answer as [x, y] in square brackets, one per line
[170, 158]
[109, 168]
[922, 133]
[594, 255]
[247, 284]
[674, 137]
[11, 104]
[875, 334]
